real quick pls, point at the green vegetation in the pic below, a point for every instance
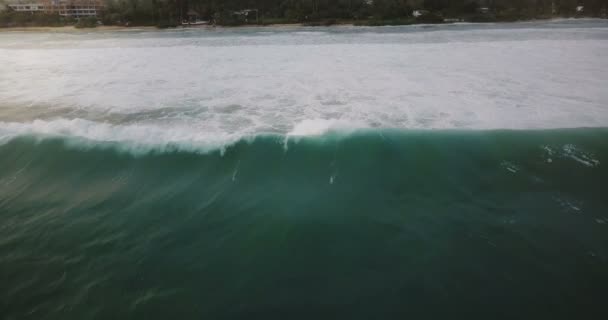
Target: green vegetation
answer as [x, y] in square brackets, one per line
[24, 19]
[328, 12]
[170, 13]
[160, 13]
[389, 12]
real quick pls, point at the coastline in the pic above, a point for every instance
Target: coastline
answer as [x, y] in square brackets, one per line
[73, 29]
[143, 28]
[278, 25]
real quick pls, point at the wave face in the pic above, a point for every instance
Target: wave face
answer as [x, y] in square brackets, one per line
[376, 223]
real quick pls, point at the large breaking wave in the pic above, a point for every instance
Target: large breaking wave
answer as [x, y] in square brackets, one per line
[259, 222]
[243, 174]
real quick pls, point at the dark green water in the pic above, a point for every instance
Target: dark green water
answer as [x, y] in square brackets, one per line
[375, 225]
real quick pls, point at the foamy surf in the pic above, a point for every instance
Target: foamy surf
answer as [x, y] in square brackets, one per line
[134, 137]
[521, 76]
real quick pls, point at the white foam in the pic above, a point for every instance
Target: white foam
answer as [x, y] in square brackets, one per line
[220, 86]
[572, 152]
[510, 167]
[134, 137]
[319, 127]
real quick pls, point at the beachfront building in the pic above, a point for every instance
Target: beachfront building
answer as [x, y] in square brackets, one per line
[65, 8]
[75, 8]
[26, 7]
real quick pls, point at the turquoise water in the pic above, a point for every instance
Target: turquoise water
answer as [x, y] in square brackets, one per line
[373, 224]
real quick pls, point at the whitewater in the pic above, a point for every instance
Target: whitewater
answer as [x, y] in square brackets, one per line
[201, 88]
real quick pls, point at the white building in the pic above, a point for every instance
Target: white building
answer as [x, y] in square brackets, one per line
[27, 7]
[65, 8]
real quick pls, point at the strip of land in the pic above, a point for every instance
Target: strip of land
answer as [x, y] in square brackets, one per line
[49, 15]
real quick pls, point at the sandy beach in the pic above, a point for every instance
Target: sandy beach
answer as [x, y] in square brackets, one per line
[135, 28]
[72, 29]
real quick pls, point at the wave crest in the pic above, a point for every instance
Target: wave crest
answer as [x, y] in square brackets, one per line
[134, 137]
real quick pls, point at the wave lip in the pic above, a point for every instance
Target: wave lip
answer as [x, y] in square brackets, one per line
[198, 138]
[145, 137]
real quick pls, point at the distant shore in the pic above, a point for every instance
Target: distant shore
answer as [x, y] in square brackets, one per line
[73, 29]
[147, 28]
[102, 28]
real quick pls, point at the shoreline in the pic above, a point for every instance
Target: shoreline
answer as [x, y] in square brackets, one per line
[73, 29]
[278, 25]
[144, 28]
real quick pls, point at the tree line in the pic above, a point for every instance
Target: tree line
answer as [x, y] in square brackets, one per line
[276, 11]
[166, 13]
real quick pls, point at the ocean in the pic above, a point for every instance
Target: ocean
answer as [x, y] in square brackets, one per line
[415, 172]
